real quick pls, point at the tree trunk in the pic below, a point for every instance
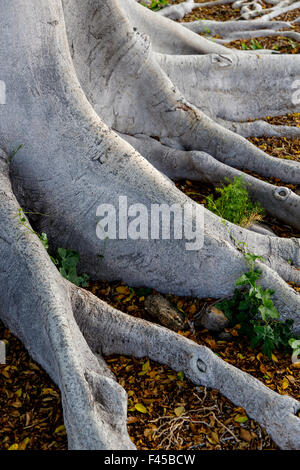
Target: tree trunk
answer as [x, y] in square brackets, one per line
[104, 111]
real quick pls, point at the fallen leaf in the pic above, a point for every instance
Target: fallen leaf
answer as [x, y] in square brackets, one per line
[241, 419]
[14, 447]
[245, 435]
[141, 408]
[179, 411]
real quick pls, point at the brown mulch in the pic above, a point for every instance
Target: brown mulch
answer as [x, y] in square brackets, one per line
[279, 147]
[290, 16]
[286, 120]
[226, 13]
[276, 43]
[30, 403]
[216, 13]
[166, 411]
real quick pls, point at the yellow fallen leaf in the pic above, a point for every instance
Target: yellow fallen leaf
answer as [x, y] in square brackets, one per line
[14, 447]
[193, 309]
[179, 411]
[141, 408]
[48, 391]
[285, 384]
[60, 430]
[274, 358]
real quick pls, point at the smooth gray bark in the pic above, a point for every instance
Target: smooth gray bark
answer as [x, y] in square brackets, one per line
[65, 94]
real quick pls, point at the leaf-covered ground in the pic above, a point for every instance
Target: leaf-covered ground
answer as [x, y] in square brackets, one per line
[166, 411]
[226, 13]
[30, 404]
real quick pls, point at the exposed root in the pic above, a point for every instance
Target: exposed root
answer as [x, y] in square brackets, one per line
[225, 28]
[200, 166]
[260, 129]
[67, 171]
[166, 36]
[162, 111]
[35, 305]
[278, 10]
[258, 34]
[236, 87]
[94, 404]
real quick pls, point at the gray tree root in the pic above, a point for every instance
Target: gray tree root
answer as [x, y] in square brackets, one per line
[260, 129]
[199, 166]
[258, 34]
[36, 306]
[104, 167]
[71, 162]
[59, 323]
[236, 87]
[224, 28]
[166, 36]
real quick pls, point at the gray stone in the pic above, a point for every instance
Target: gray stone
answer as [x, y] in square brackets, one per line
[212, 319]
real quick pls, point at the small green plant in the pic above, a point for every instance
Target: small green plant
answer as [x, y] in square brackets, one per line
[14, 153]
[66, 260]
[234, 204]
[244, 46]
[253, 309]
[255, 44]
[292, 44]
[295, 345]
[157, 4]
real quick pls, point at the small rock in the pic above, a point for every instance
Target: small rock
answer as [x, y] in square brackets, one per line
[212, 319]
[164, 313]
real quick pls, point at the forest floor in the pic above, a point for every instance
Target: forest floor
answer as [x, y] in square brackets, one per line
[165, 410]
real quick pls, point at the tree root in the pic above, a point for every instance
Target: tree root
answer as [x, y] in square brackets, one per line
[222, 85]
[259, 34]
[260, 129]
[46, 314]
[36, 306]
[165, 113]
[225, 28]
[199, 166]
[71, 162]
